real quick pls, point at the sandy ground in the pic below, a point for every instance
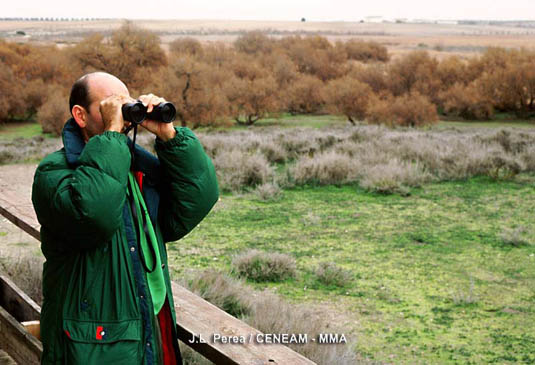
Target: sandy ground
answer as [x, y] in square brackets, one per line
[440, 39]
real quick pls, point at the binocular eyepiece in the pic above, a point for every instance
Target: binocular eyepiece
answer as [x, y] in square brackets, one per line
[136, 112]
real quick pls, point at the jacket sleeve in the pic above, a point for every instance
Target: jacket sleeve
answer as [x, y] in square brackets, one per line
[189, 184]
[83, 206]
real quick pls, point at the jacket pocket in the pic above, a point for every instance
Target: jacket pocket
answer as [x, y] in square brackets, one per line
[112, 342]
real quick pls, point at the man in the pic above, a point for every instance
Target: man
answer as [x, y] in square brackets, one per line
[106, 288]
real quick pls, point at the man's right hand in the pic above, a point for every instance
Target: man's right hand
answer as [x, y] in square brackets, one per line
[112, 115]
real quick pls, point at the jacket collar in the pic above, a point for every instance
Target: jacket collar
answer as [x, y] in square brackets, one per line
[74, 144]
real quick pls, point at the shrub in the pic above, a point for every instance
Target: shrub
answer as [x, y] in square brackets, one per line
[330, 167]
[190, 85]
[268, 191]
[467, 102]
[349, 97]
[415, 71]
[465, 297]
[364, 51]
[528, 158]
[237, 170]
[515, 237]
[186, 46]
[411, 110]
[374, 75]
[504, 168]
[27, 149]
[451, 71]
[271, 314]
[329, 273]
[11, 97]
[264, 266]
[253, 43]
[26, 273]
[53, 114]
[305, 95]
[251, 100]
[227, 293]
[394, 177]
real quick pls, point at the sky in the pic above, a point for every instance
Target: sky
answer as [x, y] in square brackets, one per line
[312, 10]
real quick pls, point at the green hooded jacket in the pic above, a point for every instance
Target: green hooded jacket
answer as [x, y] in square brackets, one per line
[97, 307]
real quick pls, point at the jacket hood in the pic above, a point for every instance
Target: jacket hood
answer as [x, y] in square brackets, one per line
[74, 144]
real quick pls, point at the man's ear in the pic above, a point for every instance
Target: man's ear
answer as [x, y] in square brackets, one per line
[80, 115]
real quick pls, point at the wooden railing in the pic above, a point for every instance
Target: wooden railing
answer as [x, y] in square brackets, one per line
[196, 318]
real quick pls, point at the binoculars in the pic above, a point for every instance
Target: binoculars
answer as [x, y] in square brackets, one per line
[136, 112]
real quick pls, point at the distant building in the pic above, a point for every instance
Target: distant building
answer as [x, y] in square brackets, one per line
[373, 19]
[455, 22]
[422, 21]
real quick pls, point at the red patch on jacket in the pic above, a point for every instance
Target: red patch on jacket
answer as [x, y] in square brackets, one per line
[100, 332]
[67, 333]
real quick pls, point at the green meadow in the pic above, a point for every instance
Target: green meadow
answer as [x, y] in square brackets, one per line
[444, 275]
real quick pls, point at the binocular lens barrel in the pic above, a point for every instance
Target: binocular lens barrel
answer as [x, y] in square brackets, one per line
[164, 112]
[136, 112]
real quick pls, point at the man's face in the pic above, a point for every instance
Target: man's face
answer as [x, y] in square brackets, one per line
[101, 87]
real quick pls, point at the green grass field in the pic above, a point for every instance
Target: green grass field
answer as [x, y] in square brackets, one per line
[434, 280]
[20, 130]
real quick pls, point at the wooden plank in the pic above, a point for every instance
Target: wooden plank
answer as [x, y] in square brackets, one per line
[16, 302]
[23, 347]
[197, 317]
[34, 327]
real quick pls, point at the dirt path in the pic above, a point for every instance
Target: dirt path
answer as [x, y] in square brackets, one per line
[14, 241]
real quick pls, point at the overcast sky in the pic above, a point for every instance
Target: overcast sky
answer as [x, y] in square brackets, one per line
[320, 10]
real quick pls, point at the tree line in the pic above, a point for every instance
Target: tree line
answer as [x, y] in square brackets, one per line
[219, 84]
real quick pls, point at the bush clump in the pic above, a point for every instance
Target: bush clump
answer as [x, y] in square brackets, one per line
[410, 110]
[260, 266]
[268, 191]
[329, 273]
[53, 114]
[225, 292]
[238, 169]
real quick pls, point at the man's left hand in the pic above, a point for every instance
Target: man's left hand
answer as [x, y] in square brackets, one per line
[165, 131]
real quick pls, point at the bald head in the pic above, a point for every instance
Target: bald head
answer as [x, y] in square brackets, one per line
[92, 85]
[86, 94]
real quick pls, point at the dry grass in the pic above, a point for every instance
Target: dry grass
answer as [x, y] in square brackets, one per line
[269, 191]
[271, 314]
[258, 265]
[26, 149]
[329, 273]
[26, 272]
[377, 158]
[227, 293]
[268, 313]
[516, 236]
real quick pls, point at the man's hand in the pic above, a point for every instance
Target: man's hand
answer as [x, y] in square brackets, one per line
[165, 131]
[112, 115]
